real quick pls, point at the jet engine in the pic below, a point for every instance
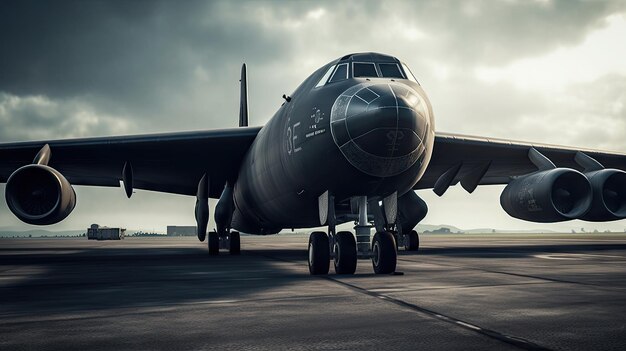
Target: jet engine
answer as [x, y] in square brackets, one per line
[38, 194]
[553, 195]
[609, 195]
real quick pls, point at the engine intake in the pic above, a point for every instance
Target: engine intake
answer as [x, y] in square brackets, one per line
[549, 196]
[609, 195]
[38, 194]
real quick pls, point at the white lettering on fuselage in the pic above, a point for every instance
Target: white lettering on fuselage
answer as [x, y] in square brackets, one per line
[316, 117]
[292, 138]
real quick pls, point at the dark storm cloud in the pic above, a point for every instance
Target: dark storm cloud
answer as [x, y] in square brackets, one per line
[148, 61]
[492, 32]
[74, 48]
[137, 48]
[174, 65]
[37, 117]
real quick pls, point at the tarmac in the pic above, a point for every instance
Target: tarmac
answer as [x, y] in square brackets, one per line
[459, 292]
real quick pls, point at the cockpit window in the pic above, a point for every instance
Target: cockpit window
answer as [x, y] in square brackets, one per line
[325, 77]
[409, 74]
[390, 70]
[341, 73]
[364, 69]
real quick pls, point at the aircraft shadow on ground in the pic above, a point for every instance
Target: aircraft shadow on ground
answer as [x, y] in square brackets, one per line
[101, 279]
[513, 250]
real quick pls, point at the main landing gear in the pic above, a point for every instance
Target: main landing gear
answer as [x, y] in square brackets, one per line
[230, 241]
[344, 248]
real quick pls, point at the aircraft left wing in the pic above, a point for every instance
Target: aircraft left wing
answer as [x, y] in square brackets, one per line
[477, 161]
[171, 163]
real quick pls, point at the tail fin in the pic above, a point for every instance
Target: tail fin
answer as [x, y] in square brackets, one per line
[243, 98]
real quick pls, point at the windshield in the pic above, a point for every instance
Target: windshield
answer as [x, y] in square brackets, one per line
[341, 73]
[390, 70]
[409, 74]
[364, 69]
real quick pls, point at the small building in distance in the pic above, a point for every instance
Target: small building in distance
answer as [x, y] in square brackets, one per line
[176, 230]
[96, 232]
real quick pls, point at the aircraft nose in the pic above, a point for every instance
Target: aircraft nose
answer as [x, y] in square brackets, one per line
[380, 128]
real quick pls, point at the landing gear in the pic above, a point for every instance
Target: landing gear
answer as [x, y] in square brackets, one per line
[214, 244]
[384, 254]
[230, 242]
[223, 237]
[234, 243]
[411, 241]
[345, 253]
[319, 253]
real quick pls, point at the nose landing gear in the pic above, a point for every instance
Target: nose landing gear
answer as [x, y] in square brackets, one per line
[344, 249]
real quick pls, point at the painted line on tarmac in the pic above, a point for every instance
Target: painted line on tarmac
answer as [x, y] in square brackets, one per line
[509, 339]
[575, 256]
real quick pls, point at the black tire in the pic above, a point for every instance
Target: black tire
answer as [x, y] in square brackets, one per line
[412, 241]
[214, 244]
[384, 254]
[235, 243]
[319, 253]
[345, 253]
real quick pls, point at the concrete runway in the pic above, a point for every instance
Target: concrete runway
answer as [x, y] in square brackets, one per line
[467, 292]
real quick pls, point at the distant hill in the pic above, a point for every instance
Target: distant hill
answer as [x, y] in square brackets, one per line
[421, 228]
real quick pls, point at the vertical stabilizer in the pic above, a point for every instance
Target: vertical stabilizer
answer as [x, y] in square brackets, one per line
[243, 98]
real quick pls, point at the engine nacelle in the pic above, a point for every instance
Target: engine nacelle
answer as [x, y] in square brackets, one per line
[609, 195]
[548, 196]
[38, 194]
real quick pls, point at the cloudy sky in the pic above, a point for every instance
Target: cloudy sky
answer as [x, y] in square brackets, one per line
[545, 71]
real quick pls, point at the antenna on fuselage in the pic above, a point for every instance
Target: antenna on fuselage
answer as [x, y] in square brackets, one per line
[243, 98]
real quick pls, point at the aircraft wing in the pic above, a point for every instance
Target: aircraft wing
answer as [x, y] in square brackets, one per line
[171, 163]
[483, 161]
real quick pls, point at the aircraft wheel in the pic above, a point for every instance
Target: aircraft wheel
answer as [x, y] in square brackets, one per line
[384, 254]
[319, 253]
[214, 244]
[412, 241]
[345, 253]
[235, 243]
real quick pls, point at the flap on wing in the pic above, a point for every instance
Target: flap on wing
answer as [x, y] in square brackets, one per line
[494, 161]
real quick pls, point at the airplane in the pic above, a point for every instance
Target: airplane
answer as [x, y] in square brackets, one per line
[351, 143]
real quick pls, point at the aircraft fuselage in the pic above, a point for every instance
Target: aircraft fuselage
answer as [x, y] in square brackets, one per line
[353, 137]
